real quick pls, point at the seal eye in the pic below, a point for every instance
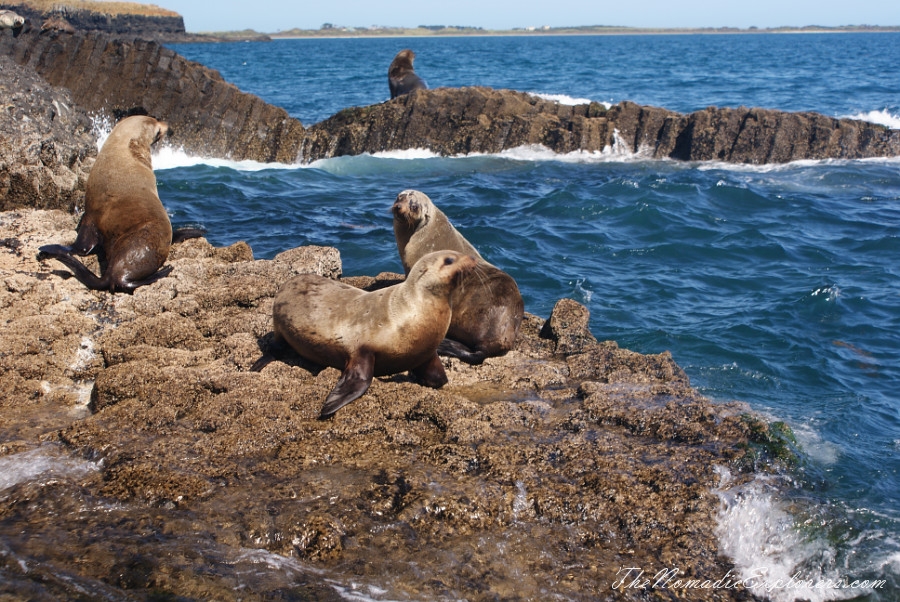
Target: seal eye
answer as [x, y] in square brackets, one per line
[449, 260]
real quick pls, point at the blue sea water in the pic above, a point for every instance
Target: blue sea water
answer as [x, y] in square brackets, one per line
[776, 285]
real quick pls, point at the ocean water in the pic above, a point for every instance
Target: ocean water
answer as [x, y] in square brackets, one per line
[775, 285]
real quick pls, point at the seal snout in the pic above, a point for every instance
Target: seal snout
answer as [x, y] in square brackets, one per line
[406, 207]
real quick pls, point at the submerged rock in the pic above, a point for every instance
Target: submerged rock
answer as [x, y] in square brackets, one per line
[547, 469]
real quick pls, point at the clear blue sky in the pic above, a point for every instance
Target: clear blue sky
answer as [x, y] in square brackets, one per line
[273, 15]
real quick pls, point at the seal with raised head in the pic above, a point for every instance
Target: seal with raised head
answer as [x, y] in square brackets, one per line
[367, 334]
[124, 221]
[401, 77]
[487, 306]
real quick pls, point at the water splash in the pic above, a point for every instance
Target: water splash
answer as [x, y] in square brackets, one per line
[774, 556]
[564, 99]
[882, 117]
[44, 463]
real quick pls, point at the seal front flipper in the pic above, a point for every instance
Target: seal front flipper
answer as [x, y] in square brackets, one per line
[431, 373]
[354, 381]
[451, 348]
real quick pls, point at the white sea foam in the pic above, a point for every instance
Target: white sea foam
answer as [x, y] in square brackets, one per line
[882, 117]
[40, 463]
[771, 553]
[409, 153]
[171, 157]
[815, 447]
[563, 99]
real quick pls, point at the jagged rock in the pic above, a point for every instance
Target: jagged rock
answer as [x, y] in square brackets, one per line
[210, 116]
[213, 118]
[455, 121]
[46, 142]
[164, 25]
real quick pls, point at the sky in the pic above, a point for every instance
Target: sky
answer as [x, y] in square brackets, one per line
[270, 16]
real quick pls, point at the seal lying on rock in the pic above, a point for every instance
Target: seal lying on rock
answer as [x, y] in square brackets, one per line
[487, 306]
[368, 334]
[11, 20]
[401, 77]
[123, 216]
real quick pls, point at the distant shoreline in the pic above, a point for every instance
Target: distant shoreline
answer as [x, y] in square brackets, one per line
[396, 32]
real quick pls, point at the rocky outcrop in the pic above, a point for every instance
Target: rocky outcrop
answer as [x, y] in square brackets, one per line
[46, 142]
[542, 470]
[209, 115]
[146, 26]
[453, 121]
[213, 118]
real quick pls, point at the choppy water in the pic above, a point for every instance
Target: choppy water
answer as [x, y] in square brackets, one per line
[775, 285]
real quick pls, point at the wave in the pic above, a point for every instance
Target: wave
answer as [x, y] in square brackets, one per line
[882, 117]
[564, 99]
[775, 554]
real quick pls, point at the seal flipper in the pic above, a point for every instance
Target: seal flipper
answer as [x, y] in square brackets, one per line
[79, 270]
[128, 286]
[451, 348]
[186, 232]
[354, 381]
[431, 373]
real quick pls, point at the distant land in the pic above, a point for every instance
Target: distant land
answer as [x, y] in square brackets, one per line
[167, 25]
[333, 31]
[330, 30]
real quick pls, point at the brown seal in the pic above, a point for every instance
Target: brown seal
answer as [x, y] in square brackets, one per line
[123, 220]
[368, 334]
[401, 77]
[487, 306]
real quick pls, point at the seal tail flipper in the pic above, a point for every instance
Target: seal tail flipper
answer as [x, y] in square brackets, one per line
[451, 348]
[354, 381]
[182, 234]
[262, 362]
[129, 286]
[431, 373]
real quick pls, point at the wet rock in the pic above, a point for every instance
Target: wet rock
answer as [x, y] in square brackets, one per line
[554, 465]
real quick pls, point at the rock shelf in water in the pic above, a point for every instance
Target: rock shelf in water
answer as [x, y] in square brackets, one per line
[214, 118]
[547, 469]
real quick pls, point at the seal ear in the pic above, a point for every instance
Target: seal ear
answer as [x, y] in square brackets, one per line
[354, 381]
[120, 114]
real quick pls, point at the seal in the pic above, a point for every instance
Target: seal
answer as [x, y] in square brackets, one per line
[487, 306]
[401, 77]
[367, 334]
[124, 221]
[11, 20]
